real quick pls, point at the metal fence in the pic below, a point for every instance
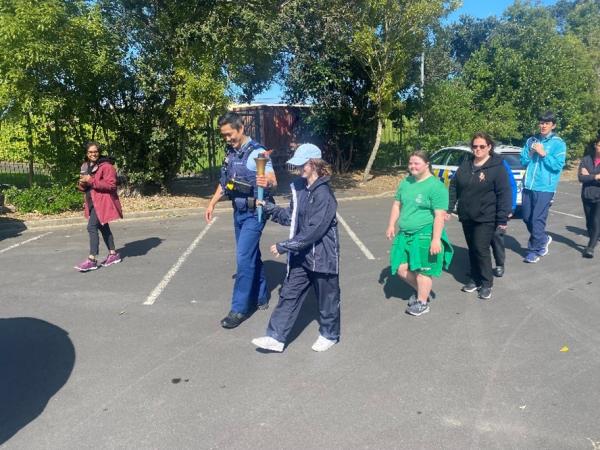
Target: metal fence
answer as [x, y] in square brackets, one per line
[17, 174]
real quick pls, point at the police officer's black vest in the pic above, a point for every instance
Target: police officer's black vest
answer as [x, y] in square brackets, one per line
[235, 167]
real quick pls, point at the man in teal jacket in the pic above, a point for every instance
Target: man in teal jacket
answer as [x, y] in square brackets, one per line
[544, 157]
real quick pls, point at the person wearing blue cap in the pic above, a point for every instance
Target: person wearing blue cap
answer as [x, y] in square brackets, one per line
[313, 252]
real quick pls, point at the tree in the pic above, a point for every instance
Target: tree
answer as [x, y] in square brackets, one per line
[182, 59]
[321, 71]
[529, 67]
[54, 58]
[388, 34]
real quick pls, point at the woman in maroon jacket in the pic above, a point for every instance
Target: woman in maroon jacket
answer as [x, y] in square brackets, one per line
[98, 182]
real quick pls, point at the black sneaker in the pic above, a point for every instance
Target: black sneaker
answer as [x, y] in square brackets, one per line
[470, 287]
[485, 293]
[498, 271]
[233, 319]
[417, 309]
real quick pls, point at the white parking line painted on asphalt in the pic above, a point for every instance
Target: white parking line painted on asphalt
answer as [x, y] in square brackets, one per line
[171, 273]
[355, 238]
[25, 242]
[566, 214]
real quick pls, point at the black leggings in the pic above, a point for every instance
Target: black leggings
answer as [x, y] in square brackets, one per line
[592, 221]
[479, 238]
[93, 227]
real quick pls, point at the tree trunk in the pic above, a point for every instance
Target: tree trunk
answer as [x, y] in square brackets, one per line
[212, 160]
[351, 154]
[30, 147]
[375, 149]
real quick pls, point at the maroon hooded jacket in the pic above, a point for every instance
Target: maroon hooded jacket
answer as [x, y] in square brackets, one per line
[104, 194]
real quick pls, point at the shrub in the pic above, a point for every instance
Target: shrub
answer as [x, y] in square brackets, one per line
[45, 200]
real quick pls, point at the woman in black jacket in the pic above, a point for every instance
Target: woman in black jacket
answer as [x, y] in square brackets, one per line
[313, 253]
[589, 177]
[482, 190]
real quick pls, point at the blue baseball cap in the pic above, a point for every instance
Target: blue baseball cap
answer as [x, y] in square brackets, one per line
[304, 153]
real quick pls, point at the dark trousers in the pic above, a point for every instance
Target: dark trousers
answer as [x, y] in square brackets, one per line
[250, 286]
[592, 221]
[93, 226]
[498, 249]
[292, 295]
[479, 238]
[535, 213]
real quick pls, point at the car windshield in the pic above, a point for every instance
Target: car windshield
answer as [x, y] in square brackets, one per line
[513, 160]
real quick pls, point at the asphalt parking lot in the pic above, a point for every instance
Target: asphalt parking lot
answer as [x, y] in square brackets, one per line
[133, 356]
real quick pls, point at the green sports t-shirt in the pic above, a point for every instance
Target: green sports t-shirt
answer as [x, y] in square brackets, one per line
[418, 201]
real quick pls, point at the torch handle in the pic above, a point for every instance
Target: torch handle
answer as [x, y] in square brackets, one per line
[259, 208]
[261, 163]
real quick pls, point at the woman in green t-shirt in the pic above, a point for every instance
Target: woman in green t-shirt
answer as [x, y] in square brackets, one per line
[421, 246]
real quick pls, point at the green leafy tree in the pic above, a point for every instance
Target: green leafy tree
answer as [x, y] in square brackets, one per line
[388, 34]
[321, 71]
[54, 56]
[529, 67]
[182, 59]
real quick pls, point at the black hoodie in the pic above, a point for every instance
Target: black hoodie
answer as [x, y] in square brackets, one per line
[590, 187]
[483, 193]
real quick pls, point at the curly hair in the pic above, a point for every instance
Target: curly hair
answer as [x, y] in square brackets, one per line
[322, 167]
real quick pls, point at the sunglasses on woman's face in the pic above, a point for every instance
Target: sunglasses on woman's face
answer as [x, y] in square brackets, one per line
[480, 147]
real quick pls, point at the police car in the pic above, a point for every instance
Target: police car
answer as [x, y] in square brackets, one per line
[445, 162]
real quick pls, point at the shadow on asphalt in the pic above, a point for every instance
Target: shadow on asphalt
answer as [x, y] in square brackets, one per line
[139, 248]
[10, 228]
[36, 360]
[393, 286]
[565, 240]
[459, 267]
[511, 243]
[577, 230]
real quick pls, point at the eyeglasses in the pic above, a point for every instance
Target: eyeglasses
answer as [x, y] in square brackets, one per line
[481, 147]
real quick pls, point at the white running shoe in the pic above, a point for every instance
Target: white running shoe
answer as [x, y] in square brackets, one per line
[268, 343]
[546, 248]
[323, 344]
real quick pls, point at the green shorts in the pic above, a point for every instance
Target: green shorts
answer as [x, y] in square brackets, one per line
[413, 249]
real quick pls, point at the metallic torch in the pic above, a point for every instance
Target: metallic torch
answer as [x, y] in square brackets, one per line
[261, 163]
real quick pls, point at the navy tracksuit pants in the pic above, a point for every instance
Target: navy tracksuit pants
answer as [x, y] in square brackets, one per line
[535, 209]
[292, 295]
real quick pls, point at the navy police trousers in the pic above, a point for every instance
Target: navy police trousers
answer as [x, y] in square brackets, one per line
[250, 287]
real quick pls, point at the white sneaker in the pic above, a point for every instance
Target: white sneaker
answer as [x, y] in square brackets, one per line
[268, 343]
[323, 344]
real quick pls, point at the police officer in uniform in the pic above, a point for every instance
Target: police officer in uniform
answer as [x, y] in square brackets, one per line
[239, 183]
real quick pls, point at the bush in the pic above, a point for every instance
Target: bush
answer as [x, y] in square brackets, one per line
[46, 200]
